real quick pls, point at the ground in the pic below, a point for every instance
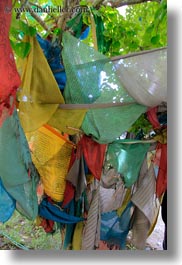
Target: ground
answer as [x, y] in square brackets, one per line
[33, 237]
[156, 238]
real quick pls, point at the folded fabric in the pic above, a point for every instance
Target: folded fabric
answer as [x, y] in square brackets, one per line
[55, 213]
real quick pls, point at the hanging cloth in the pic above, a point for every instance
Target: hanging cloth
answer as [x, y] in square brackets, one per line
[69, 192]
[112, 199]
[67, 244]
[10, 79]
[152, 117]
[137, 74]
[102, 42]
[66, 119]
[77, 236]
[91, 79]
[161, 184]
[76, 176]
[52, 53]
[18, 174]
[51, 153]
[114, 228]
[61, 119]
[147, 205]
[55, 213]
[7, 204]
[39, 96]
[127, 159]
[90, 231]
[94, 154]
[78, 230]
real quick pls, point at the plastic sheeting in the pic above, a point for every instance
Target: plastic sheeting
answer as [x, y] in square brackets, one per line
[144, 76]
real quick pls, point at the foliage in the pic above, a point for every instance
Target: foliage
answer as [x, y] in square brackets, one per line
[141, 126]
[23, 232]
[143, 27]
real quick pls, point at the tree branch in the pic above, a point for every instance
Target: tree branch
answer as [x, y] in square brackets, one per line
[98, 3]
[36, 17]
[121, 3]
[62, 19]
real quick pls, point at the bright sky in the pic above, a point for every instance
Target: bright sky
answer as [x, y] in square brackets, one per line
[122, 10]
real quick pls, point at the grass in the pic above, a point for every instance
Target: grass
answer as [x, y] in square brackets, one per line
[19, 232]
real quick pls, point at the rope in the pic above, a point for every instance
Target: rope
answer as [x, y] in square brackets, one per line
[95, 105]
[13, 241]
[120, 57]
[139, 141]
[115, 58]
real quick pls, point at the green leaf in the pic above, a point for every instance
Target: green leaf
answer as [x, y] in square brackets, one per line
[32, 31]
[96, 12]
[24, 27]
[116, 45]
[83, 3]
[57, 31]
[155, 39]
[28, 30]
[14, 32]
[150, 29]
[21, 49]
[133, 45]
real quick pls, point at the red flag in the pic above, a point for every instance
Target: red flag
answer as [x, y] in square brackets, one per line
[94, 154]
[9, 77]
